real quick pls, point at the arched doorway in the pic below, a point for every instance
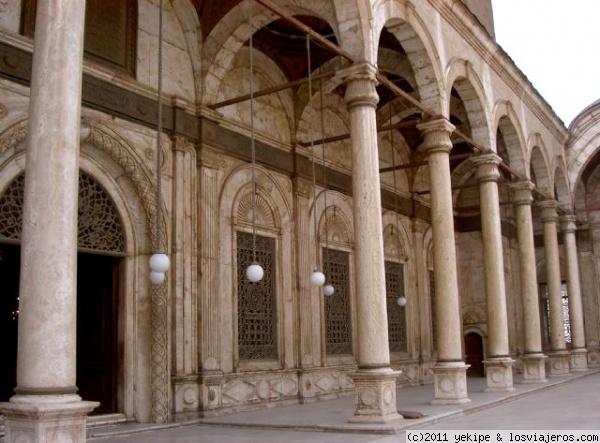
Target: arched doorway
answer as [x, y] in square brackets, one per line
[101, 246]
[474, 354]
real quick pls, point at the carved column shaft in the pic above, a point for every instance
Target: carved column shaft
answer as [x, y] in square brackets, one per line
[182, 255]
[498, 363]
[491, 231]
[450, 370]
[559, 357]
[375, 382]
[308, 321]
[549, 219]
[208, 206]
[422, 277]
[522, 200]
[533, 360]
[578, 351]
[361, 99]
[437, 146]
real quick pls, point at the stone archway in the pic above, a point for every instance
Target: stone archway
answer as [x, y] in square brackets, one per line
[101, 245]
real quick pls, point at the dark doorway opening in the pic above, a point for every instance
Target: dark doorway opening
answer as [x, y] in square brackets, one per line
[474, 354]
[97, 292]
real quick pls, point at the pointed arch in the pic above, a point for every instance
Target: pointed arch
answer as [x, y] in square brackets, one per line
[509, 139]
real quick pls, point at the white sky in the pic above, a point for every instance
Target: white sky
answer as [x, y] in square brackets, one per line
[556, 44]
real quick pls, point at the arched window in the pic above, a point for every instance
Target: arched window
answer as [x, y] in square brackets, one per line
[396, 315]
[257, 313]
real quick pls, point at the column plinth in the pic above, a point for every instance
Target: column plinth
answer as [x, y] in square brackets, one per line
[499, 374]
[578, 360]
[559, 362]
[50, 418]
[375, 396]
[534, 368]
[450, 383]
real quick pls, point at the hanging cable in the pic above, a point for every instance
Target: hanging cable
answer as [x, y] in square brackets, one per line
[401, 301]
[159, 261]
[328, 289]
[317, 277]
[255, 272]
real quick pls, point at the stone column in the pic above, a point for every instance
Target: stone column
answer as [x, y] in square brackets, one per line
[534, 369]
[559, 356]
[578, 350]
[375, 382]
[589, 291]
[46, 407]
[450, 371]
[498, 363]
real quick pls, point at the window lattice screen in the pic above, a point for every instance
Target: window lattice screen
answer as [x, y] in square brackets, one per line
[396, 315]
[338, 327]
[256, 301]
[99, 226]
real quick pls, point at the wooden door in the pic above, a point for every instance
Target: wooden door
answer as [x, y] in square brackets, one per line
[474, 354]
[9, 304]
[97, 330]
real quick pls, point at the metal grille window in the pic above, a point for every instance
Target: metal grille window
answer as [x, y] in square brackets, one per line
[99, 225]
[433, 318]
[338, 327]
[256, 301]
[545, 312]
[396, 315]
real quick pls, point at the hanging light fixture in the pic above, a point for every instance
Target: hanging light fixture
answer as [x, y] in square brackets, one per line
[317, 277]
[159, 261]
[328, 289]
[254, 272]
[401, 301]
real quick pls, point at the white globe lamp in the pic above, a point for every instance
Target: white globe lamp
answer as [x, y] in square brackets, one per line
[401, 301]
[317, 278]
[255, 272]
[328, 290]
[156, 278]
[159, 262]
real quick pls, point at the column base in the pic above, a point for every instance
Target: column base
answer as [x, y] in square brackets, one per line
[499, 374]
[534, 368]
[559, 362]
[46, 418]
[450, 382]
[375, 396]
[578, 360]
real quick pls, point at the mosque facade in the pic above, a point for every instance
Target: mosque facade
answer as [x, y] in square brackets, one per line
[388, 147]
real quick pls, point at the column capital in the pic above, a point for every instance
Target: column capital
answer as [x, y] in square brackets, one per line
[419, 225]
[568, 223]
[302, 187]
[522, 192]
[548, 211]
[436, 134]
[487, 167]
[360, 80]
